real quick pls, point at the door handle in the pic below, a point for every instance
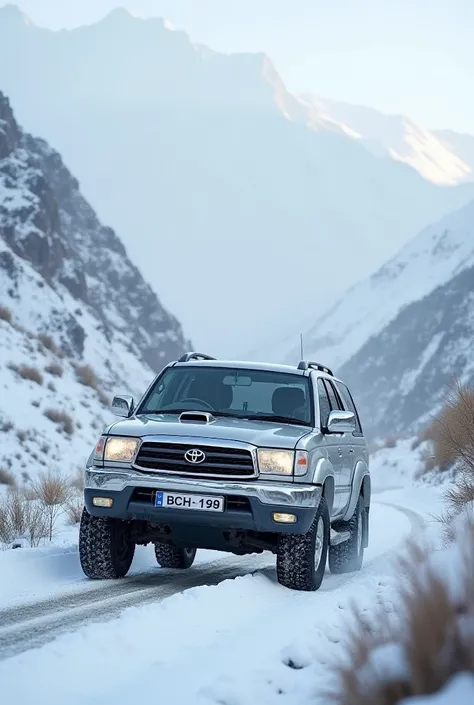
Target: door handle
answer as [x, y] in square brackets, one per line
[351, 450]
[340, 451]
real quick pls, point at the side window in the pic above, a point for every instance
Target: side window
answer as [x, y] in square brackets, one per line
[333, 396]
[324, 405]
[349, 405]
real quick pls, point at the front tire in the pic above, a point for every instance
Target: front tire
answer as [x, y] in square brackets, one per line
[105, 549]
[347, 557]
[301, 558]
[169, 556]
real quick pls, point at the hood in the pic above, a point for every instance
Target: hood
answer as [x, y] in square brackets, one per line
[259, 433]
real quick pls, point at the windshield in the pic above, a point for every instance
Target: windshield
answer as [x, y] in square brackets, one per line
[251, 394]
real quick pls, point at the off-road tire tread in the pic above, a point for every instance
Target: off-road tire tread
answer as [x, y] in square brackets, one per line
[97, 539]
[295, 556]
[169, 556]
[343, 558]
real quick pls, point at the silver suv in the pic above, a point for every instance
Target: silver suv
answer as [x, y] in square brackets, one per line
[232, 456]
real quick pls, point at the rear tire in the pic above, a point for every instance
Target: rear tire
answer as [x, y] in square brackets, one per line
[169, 556]
[347, 557]
[105, 549]
[301, 558]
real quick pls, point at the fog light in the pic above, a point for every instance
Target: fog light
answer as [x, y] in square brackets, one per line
[283, 518]
[102, 501]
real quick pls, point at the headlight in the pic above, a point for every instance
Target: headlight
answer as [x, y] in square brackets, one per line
[276, 462]
[121, 450]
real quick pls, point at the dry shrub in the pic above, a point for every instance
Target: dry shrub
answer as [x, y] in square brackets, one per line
[452, 435]
[86, 376]
[417, 651]
[20, 517]
[452, 432]
[47, 342]
[5, 314]
[54, 369]
[390, 442]
[62, 419]
[52, 492]
[30, 373]
[74, 508]
[6, 478]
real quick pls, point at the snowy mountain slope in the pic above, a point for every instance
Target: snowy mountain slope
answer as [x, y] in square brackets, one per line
[401, 375]
[77, 321]
[188, 151]
[430, 260]
[441, 157]
[460, 144]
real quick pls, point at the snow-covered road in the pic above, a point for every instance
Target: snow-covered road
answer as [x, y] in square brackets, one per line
[224, 631]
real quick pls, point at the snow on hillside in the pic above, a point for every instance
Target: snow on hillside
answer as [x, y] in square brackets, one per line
[401, 376]
[49, 418]
[439, 157]
[77, 321]
[431, 259]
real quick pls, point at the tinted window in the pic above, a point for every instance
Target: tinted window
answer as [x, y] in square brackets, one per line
[324, 405]
[333, 399]
[349, 404]
[231, 392]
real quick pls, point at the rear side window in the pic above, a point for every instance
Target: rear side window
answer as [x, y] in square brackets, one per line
[333, 398]
[349, 405]
[324, 405]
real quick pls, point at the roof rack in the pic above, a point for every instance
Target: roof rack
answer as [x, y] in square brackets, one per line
[187, 357]
[307, 364]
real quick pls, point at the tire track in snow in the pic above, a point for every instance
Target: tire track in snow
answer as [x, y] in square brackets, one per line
[23, 628]
[30, 626]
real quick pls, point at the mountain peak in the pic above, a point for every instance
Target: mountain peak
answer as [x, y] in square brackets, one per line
[121, 16]
[13, 15]
[118, 14]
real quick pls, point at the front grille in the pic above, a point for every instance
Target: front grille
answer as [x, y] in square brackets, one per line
[219, 462]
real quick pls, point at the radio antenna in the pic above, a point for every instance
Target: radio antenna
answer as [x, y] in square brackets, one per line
[301, 344]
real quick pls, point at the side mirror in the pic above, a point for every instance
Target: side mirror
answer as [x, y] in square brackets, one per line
[341, 422]
[123, 406]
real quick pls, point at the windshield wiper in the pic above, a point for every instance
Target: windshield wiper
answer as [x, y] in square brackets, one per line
[234, 415]
[277, 419]
[167, 411]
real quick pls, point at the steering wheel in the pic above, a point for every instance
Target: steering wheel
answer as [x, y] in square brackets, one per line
[198, 401]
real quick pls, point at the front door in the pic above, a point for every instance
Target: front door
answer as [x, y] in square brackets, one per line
[333, 441]
[344, 449]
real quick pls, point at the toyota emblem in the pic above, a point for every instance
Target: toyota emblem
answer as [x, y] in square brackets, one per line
[195, 456]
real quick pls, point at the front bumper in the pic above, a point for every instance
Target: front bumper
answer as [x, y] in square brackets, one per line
[249, 505]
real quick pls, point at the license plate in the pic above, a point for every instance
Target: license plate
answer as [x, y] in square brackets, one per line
[176, 500]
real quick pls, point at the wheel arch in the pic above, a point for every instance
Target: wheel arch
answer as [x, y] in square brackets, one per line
[361, 485]
[323, 475]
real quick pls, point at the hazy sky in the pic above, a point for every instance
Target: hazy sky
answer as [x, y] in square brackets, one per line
[402, 56]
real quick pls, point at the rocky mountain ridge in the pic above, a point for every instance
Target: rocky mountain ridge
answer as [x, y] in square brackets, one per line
[401, 376]
[427, 262]
[77, 320]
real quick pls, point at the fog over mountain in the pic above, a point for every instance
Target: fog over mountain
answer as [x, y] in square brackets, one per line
[240, 204]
